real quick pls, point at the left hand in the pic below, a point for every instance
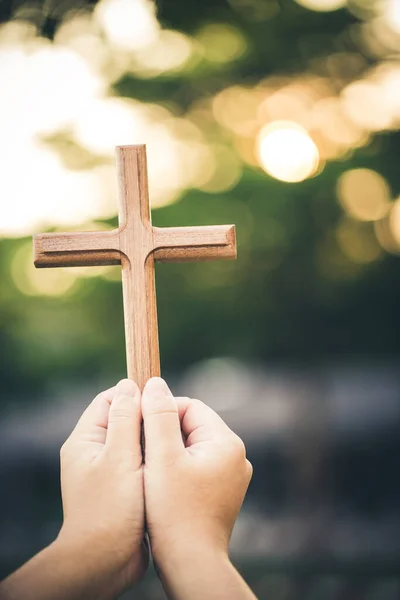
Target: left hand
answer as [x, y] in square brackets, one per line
[102, 489]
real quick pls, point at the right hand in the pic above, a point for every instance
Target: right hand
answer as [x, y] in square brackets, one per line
[195, 475]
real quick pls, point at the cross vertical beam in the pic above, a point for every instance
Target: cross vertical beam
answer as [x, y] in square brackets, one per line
[137, 260]
[136, 244]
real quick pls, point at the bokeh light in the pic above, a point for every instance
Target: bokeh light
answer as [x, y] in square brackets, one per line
[221, 43]
[56, 104]
[322, 5]
[364, 194]
[394, 222]
[391, 13]
[357, 241]
[236, 109]
[384, 234]
[128, 24]
[365, 105]
[39, 191]
[287, 152]
[110, 122]
[74, 118]
[225, 170]
[169, 53]
[43, 282]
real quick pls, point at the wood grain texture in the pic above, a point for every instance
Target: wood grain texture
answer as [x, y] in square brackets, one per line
[136, 245]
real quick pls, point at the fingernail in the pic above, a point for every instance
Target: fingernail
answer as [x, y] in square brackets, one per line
[126, 387]
[156, 387]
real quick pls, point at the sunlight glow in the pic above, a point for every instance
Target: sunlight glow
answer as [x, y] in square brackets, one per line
[56, 106]
[39, 191]
[46, 88]
[287, 152]
[391, 14]
[128, 24]
[110, 122]
[80, 33]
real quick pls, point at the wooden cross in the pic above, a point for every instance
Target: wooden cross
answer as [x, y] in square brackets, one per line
[136, 244]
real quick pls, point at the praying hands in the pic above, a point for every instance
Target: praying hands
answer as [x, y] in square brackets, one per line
[185, 488]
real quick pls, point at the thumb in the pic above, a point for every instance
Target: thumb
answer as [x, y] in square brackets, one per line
[162, 428]
[124, 421]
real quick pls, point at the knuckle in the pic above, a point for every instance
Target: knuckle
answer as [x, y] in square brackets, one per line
[100, 396]
[64, 449]
[155, 415]
[196, 402]
[249, 469]
[120, 414]
[165, 411]
[162, 405]
[97, 401]
[238, 448]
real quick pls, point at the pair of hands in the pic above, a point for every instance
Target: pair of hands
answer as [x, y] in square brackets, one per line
[186, 490]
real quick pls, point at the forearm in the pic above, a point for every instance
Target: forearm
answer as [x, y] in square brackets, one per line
[59, 573]
[203, 574]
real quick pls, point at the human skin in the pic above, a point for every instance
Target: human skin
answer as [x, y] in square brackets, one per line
[195, 478]
[100, 550]
[190, 486]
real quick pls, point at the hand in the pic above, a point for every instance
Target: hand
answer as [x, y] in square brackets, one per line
[100, 549]
[102, 489]
[195, 477]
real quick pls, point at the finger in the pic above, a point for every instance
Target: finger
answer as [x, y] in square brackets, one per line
[92, 426]
[124, 421]
[161, 421]
[200, 423]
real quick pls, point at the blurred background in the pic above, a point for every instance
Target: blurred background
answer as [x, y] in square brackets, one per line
[282, 117]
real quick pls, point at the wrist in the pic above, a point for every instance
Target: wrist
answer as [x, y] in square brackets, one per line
[200, 572]
[59, 572]
[91, 567]
[191, 557]
[85, 565]
[95, 548]
[184, 543]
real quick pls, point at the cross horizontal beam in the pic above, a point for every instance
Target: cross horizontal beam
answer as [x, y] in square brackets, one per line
[194, 243]
[81, 249]
[105, 247]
